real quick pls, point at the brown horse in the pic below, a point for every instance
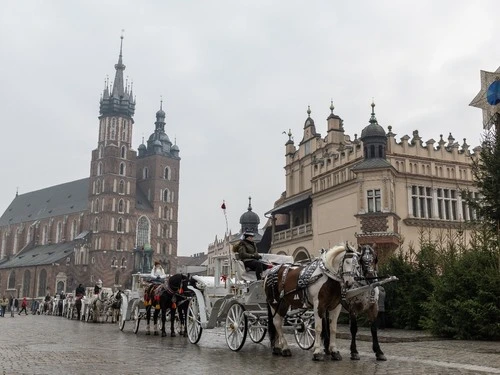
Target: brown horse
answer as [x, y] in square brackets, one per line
[366, 302]
[318, 285]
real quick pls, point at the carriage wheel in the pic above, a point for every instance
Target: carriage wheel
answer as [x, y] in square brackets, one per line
[304, 333]
[136, 317]
[236, 327]
[255, 330]
[193, 323]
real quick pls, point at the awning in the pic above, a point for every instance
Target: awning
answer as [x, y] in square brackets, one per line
[285, 206]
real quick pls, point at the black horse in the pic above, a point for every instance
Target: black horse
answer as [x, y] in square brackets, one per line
[165, 297]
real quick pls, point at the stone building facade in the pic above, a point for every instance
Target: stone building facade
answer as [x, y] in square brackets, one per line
[105, 226]
[372, 189]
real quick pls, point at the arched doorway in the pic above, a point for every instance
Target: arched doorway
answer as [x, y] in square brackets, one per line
[301, 255]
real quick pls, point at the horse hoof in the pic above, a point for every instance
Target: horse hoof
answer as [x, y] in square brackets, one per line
[163, 334]
[335, 356]
[286, 353]
[318, 357]
[276, 351]
[381, 357]
[355, 356]
[148, 333]
[156, 333]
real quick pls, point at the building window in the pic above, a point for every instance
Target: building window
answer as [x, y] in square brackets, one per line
[122, 169]
[123, 263]
[142, 231]
[373, 199]
[166, 173]
[117, 278]
[98, 187]
[123, 152]
[165, 213]
[421, 201]
[119, 244]
[145, 173]
[114, 263]
[164, 230]
[166, 195]
[120, 206]
[26, 283]
[42, 283]
[112, 135]
[12, 280]
[92, 260]
[100, 152]
[99, 169]
[164, 249]
[121, 187]
[58, 232]
[96, 225]
[447, 204]
[119, 226]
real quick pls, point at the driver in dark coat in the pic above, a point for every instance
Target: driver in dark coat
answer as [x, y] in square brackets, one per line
[247, 251]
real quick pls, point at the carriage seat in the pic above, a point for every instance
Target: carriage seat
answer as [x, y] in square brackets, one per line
[242, 272]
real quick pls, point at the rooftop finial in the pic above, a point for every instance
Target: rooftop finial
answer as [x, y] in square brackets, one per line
[373, 119]
[249, 203]
[308, 111]
[121, 42]
[161, 102]
[331, 106]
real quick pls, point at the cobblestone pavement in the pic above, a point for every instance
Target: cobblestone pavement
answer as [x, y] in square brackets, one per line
[54, 345]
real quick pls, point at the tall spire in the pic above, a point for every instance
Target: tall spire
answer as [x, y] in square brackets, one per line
[118, 88]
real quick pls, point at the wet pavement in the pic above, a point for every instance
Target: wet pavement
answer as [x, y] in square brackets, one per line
[53, 345]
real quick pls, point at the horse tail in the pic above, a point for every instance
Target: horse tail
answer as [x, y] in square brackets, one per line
[271, 329]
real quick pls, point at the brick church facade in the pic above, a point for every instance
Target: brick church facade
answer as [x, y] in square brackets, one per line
[106, 226]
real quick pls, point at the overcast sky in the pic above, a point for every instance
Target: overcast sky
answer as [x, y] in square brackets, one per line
[234, 75]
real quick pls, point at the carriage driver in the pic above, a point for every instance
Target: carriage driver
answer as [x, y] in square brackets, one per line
[158, 273]
[248, 253]
[98, 287]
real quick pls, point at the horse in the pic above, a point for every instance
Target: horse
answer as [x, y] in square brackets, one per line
[365, 302]
[165, 297]
[98, 305]
[114, 304]
[319, 285]
[48, 306]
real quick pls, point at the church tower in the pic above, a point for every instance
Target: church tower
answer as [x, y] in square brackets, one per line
[158, 168]
[112, 183]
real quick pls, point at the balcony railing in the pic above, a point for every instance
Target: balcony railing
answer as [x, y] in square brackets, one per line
[295, 232]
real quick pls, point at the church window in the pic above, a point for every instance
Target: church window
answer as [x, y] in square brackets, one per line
[113, 262]
[119, 226]
[119, 244]
[166, 173]
[44, 235]
[165, 213]
[112, 134]
[26, 283]
[145, 173]
[58, 232]
[373, 200]
[99, 168]
[124, 263]
[12, 280]
[98, 186]
[100, 152]
[166, 195]
[121, 187]
[122, 169]
[120, 206]
[42, 283]
[143, 231]
[96, 210]
[164, 249]
[164, 231]
[117, 278]
[73, 230]
[123, 152]
[96, 225]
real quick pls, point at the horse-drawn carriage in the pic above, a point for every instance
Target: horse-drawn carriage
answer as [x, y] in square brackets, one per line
[238, 303]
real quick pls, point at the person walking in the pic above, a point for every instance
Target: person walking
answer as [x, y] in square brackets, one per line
[381, 308]
[4, 302]
[24, 305]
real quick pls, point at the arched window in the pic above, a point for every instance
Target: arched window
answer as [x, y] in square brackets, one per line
[119, 226]
[60, 287]
[120, 206]
[122, 169]
[113, 262]
[119, 244]
[100, 151]
[26, 283]
[165, 213]
[164, 249]
[58, 232]
[124, 263]
[166, 173]
[112, 134]
[164, 230]
[98, 187]
[143, 231]
[44, 235]
[96, 225]
[121, 187]
[99, 168]
[96, 207]
[42, 283]
[166, 195]
[12, 280]
[123, 153]
[145, 173]
[74, 228]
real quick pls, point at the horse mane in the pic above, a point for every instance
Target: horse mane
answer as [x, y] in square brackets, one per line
[332, 259]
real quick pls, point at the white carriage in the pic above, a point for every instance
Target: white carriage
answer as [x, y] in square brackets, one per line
[92, 311]
[132, 307]
[239, 304]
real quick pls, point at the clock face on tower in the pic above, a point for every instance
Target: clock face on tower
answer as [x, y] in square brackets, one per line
[493, 93]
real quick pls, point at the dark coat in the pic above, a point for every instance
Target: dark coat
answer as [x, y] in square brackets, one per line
[247, 250]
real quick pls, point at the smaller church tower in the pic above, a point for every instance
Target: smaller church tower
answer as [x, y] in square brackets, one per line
[158, 167]
[250, 221]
